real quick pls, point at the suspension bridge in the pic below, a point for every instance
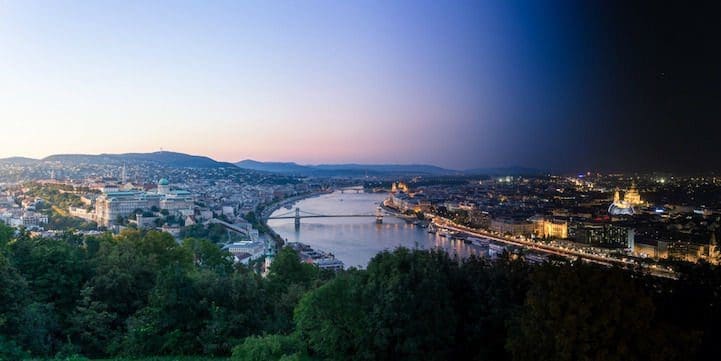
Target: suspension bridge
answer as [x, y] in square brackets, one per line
[297, 215]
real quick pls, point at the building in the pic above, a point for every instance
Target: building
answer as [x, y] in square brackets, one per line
[33, 220]
[626, 206]
[246, 251]
[83, 213]
[176, 201]
[163, 186]
[111, 205]
[632, 197]
[399, 187]
[513, 227]
[602, 234]
[551, 228]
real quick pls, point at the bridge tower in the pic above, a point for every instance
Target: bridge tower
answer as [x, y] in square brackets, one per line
[297, 217]
[379, 215]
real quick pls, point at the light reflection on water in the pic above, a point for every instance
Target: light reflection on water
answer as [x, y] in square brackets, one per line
[356, 240]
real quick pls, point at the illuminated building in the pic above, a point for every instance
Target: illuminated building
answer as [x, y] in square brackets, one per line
[626, 206]
[602, 234]
[551, 228]
[632, 197]
[714, 254]
[399, 187]
[512, 227]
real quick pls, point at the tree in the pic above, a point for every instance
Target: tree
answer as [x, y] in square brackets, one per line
[691, 310]
[411, 315]
[333, 319]
[39, 329]
[238, 307]
[207, 255]
[127, 267]
[581, 312]
[13, 297]
[54, 270]
[268, 348]
[486, 295]
[288, 280]
[91, 325]
[167, 324]
[287, 269]
[6, 234]
[10, 350]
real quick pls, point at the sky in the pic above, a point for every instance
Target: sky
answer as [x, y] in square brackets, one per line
[558, 85]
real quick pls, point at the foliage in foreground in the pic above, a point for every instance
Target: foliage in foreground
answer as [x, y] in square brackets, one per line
[141, 294]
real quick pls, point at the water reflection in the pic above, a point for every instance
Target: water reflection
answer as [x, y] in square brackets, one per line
[356, 240]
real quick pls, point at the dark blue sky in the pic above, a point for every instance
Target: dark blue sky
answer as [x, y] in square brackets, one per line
[561, 85]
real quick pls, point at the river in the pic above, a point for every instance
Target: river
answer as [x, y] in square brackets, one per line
[356, 240]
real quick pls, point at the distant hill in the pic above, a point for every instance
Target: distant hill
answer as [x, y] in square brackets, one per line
[169, 159]
[19, 161]
[181, 160]
[514, 171]
[274, 167]
[344, 169]
[389, 168]
[377, 169]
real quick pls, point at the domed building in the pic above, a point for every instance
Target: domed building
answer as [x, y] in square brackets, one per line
[625, 207]
[163, 186]
[632, 197]
[620, 207]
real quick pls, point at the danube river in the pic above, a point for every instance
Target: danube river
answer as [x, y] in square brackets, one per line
[356, 240]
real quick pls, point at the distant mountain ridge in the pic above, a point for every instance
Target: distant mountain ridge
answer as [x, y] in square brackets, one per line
[513, 171]
[343, 169]
[273, 167]
[18, 160]
[170, 159]
[351, 169]
[181, 160]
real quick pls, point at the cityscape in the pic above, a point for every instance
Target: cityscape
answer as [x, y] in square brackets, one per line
[360, 180]
[648, 222]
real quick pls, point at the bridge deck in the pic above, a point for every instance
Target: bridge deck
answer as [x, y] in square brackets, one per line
[327, 216]
[229, 226]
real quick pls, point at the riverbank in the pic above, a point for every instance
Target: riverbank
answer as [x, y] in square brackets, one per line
[269, 209]
[398, 214]
[355, 241]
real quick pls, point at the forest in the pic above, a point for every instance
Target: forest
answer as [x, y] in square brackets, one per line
[142, 294]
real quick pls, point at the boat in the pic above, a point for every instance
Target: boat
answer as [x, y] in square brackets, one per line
[495, 249]
[448, 234]
[479, 242]
[431, 228]
[321, 259]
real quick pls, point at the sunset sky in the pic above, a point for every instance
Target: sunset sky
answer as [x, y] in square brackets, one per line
[459, 84]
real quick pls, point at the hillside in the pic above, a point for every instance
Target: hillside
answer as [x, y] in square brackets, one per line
[170, 159]
[19, 161]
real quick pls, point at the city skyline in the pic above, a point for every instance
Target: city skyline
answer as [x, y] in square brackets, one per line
[558, 86]
[243, 180]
